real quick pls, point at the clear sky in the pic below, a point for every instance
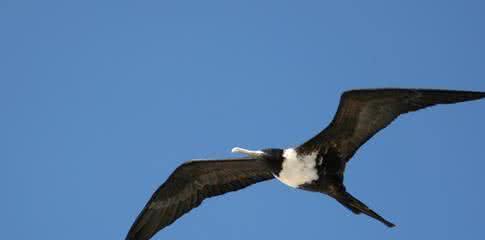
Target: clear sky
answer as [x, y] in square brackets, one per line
[101, 100]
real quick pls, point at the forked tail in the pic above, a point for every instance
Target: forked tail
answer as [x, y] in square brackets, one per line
[357, 207]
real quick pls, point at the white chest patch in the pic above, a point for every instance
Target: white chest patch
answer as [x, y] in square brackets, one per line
[298, 169]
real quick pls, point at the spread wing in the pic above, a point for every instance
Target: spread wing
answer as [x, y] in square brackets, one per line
[362, 113]
[189, 185]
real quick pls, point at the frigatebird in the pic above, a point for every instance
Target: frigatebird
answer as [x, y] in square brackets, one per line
[317, 165]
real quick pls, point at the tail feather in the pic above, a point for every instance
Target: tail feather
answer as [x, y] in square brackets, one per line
[357, 207]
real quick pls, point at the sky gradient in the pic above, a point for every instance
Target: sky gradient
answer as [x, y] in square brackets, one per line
[101, 100]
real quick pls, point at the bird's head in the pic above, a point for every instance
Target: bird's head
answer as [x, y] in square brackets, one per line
[272, 156]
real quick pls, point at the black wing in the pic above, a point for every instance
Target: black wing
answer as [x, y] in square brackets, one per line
[362, 113]
[189, 185]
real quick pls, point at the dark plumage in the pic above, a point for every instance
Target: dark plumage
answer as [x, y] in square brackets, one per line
[189, 185]
[317, 165]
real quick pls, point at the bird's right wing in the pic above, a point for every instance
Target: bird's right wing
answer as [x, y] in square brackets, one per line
[362, 113]
[189, 185]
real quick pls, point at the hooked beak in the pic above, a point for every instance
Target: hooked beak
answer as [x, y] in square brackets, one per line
[254, 154]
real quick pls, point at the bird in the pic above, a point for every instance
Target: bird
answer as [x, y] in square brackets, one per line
[317, 165]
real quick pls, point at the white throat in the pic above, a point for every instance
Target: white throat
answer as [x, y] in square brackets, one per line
[297, 170]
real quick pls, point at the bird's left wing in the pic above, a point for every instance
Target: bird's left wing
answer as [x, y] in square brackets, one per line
[362, 113]
[189, 185]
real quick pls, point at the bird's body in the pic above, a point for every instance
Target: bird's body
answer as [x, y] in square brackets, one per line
[320, 171]
[297, 169]
[318, 165]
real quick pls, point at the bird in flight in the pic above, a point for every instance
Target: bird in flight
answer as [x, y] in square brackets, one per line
[317, 165]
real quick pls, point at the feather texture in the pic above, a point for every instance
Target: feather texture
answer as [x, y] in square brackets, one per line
[362, 113]
[189, 185]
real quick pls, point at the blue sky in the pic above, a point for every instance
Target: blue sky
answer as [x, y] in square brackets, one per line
[101, 100]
